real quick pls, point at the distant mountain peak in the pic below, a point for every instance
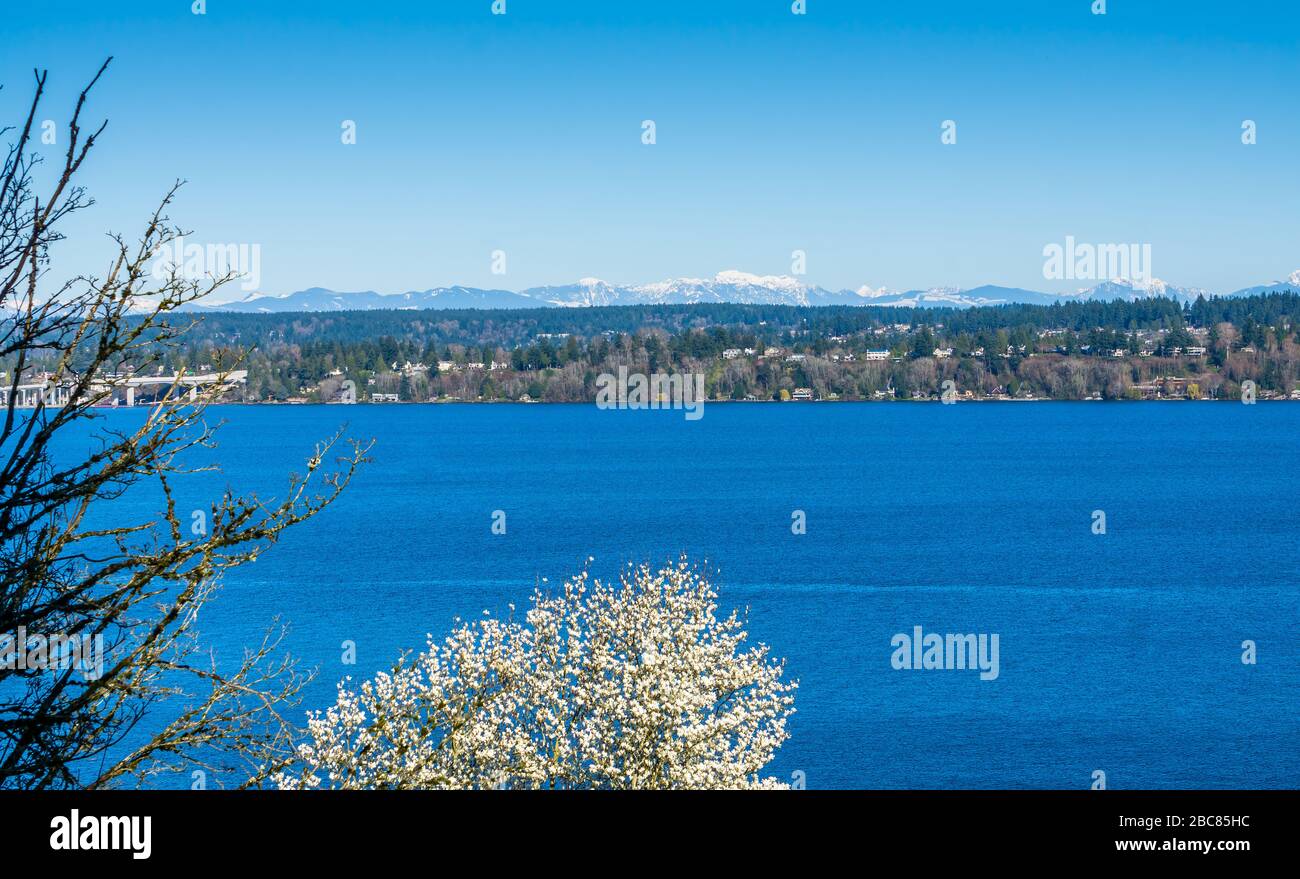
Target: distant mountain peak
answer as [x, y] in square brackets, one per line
[773, 282]
[729, 285]
[1128, 288]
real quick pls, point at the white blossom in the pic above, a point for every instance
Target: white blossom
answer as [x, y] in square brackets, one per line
[635, 684]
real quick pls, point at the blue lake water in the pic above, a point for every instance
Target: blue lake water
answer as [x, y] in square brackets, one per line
[1118, 652]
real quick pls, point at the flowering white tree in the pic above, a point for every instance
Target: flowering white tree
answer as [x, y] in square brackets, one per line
[637, 684]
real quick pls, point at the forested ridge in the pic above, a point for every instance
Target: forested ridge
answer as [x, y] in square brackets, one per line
[1113, 350]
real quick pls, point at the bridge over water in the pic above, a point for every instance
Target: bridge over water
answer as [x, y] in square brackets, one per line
[29, 396]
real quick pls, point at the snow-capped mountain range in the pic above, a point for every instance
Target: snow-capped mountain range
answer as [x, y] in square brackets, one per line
[728, 286]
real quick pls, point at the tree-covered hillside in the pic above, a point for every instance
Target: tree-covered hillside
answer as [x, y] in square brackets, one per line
[1148, 348]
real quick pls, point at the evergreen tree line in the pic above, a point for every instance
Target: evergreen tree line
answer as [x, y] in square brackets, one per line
[1068, 350]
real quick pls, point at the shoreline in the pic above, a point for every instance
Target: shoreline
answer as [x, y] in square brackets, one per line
[281, 403]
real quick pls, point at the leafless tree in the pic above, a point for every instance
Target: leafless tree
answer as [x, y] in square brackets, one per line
[159, 703]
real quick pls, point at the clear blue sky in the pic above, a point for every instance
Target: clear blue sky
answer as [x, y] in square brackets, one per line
[775, 132]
